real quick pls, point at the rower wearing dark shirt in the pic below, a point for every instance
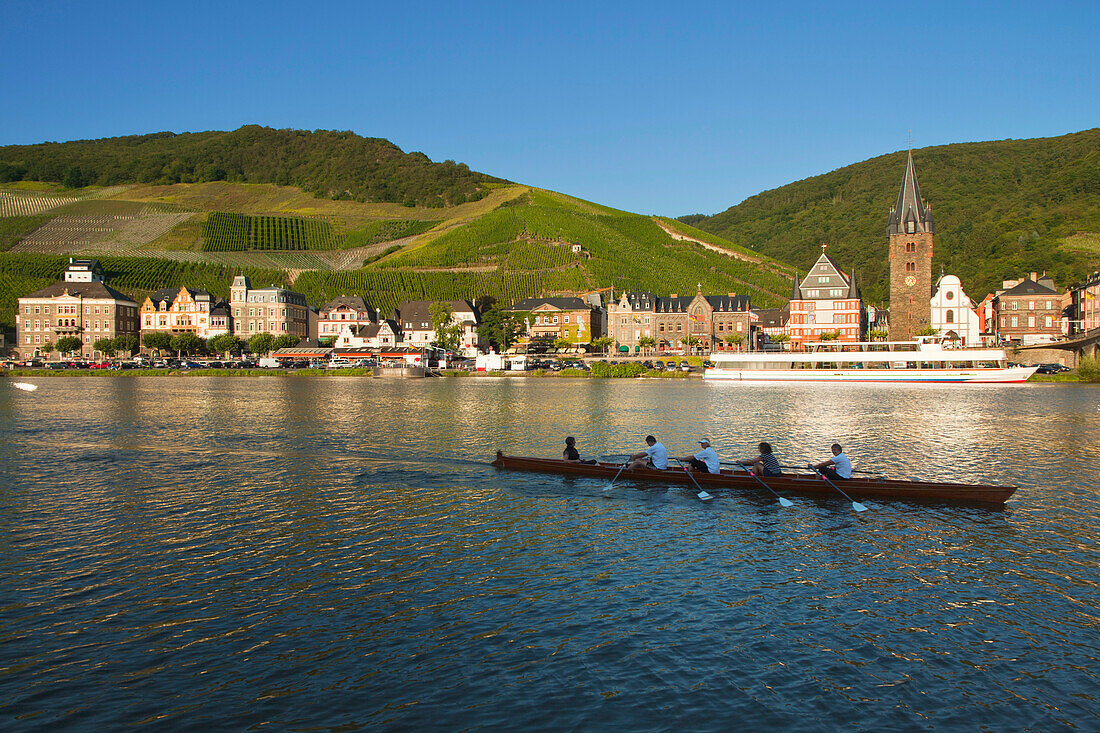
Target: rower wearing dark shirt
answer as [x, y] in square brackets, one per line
[570, 453]
[765, 464]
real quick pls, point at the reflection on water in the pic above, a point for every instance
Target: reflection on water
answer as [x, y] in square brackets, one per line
[336, 552]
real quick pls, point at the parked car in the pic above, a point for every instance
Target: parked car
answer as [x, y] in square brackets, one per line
[57, 365]
[1051, 369]
[99, 365]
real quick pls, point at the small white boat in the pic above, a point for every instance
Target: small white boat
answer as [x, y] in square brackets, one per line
[925, 360]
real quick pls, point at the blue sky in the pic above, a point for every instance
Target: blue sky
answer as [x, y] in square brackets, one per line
[657, 108]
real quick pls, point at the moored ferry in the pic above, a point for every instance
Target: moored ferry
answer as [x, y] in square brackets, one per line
[924, 360]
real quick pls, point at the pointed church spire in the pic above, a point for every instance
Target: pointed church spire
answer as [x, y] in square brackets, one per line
[909, 214]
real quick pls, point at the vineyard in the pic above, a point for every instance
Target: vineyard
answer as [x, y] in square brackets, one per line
[31, 204]
[627, 250]
[384, 289]
[68, 234]
[230, 232]
[233, 232]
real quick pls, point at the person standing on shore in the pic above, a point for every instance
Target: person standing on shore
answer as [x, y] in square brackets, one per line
[837, 467]
[706, 460]
[655, 456]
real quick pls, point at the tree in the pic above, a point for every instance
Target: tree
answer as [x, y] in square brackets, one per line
[65, 344]
[602, 343]
[735, 339]
[105, 345]
[126, 344]
[224, 343]
[285, 341]
[562, 344]
[448, 334]
[48, 347]
[186, 343]
[484, 303]
[647, 342]
[829, 336]
[877, 335]
[928, 331]
[261, 343]
[499, 329]
[157, 341]
[691, 342]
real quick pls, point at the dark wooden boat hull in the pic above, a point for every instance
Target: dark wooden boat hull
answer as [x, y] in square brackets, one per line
[788, 483]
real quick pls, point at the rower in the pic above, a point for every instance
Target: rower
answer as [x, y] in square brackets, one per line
[705, 460]
[765, 464]
[837, 467]
[570, 454]
[655, 456]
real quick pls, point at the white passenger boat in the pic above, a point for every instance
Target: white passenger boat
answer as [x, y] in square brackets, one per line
[924, 360]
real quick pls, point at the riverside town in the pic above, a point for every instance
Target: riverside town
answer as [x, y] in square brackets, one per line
[81, 321]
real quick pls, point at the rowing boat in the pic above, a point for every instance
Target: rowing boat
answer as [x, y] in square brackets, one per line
[787, 483]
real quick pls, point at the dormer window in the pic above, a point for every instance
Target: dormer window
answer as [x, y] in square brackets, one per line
[911, 227]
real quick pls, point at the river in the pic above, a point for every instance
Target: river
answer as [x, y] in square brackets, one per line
[335, 553]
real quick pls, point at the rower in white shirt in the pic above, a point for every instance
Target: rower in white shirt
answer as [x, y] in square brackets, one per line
[837, 467]
[655, 456]
[705, 460]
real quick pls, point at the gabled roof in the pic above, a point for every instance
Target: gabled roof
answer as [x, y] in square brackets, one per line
[639, 301]
[834, 279]
[355, 302]
[85, 290]
[1029, 287]
[771, 317]
[419, 311]
[909, 206]
[561, 304]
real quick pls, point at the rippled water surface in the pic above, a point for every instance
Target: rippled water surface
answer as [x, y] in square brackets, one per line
[336, 553]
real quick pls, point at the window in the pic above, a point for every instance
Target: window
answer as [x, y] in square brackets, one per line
[1014, 305]
[910, 246]
[910, 266]
[1031, 321]
[1031, 305]
[911, 227]
[1002, 321]
[1015, 321]
[950, 295]
[1048, 321]
[950, 316]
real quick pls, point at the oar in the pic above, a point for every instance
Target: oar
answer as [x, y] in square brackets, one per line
[703, 496]
[855, 504]
[782, 501]
[611, 486]
[868, 473]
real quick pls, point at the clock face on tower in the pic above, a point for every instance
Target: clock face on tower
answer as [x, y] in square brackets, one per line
[910, 280]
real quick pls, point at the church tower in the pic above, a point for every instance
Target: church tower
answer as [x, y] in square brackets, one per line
[910, 228]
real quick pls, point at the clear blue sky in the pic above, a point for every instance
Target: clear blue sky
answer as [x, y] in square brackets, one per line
[658, 108]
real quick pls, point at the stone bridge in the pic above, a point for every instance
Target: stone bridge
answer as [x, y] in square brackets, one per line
[1066, 352]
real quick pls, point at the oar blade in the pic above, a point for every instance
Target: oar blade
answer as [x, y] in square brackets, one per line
[785, 502]
[704, 496]
[858, 507]
[25, 386]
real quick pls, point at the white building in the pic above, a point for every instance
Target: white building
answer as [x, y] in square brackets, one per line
[414, 319]
[344, 310]
[953, 313]
[368, 335]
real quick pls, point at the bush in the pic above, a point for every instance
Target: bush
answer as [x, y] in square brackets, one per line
[1088, 369]
[603, 369]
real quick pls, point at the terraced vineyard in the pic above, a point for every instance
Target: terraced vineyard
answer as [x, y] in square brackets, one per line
[229, 232]
[31, 204]
[535, 232]
[65, 234]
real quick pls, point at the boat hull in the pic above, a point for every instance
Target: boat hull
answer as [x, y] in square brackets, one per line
[857, 488]
[875, 376]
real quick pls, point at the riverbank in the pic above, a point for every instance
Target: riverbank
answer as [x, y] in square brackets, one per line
[540, 373]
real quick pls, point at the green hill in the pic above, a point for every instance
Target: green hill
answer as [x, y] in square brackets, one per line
[1002, 209]
[326, 163]
[512, 243]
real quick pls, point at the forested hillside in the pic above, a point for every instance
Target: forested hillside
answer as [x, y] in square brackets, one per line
[1002, 209]
[330, 164]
